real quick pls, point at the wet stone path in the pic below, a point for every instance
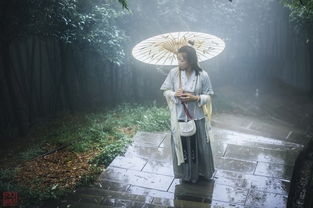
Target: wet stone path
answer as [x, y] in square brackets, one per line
[253, 159]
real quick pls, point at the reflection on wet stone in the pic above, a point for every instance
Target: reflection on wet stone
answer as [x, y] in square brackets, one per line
[201, 191]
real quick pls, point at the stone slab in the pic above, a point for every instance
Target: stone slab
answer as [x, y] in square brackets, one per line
[129, 162]
[229, 194]
[261, 154]
[269, 130]
[234, 165]
[102, 195]
[150, 192]
[163, 202]
[219, 204]
[174, 183]
[150, 153]
[137, 178]
[218, 148]
[253, 182]
[257, 199]
[274, 170]
[148, 139]
[299, 138]
[246, 139]
[112, 186]
[233, 120]
[167, 141]
[159, 167]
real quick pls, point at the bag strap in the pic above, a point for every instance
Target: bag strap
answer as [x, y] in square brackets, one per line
[186, 111]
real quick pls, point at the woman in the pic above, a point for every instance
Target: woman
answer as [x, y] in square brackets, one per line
[189, 85]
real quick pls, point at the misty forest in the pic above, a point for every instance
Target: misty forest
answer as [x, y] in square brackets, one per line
[84, 122]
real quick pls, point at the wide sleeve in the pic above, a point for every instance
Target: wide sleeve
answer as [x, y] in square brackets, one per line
[168, 83]
[168, 87]
[206, 90]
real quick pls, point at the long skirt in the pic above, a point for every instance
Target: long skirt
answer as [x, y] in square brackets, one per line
[198, 157]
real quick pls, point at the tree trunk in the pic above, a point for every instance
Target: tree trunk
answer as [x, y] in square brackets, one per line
[32, 81]
[39, 92]
[13, 91]
[134, 85]
[311, 67]
[111, 68]
[63, 80]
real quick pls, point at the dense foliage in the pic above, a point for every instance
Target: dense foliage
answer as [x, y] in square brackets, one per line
[301, 13]
[85, 24]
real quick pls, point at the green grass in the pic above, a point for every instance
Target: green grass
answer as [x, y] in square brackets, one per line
[103, 130]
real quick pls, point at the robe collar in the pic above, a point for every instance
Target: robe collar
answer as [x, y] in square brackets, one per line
[189, 83]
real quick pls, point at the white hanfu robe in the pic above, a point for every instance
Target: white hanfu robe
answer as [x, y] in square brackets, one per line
[200, 112]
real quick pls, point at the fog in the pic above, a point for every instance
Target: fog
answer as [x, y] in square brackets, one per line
[261, 44]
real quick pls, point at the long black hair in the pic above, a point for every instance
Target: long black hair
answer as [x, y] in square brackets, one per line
[191, 57]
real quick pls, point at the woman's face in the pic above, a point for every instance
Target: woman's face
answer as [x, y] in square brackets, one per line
[182, 61]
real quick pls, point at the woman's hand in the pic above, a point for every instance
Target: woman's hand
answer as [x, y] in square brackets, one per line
[188, 97]
[179, 92]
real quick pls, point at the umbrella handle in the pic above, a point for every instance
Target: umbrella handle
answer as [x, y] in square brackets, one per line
[179, 72]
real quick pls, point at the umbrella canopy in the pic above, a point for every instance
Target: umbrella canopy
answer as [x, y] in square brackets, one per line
[162, 49]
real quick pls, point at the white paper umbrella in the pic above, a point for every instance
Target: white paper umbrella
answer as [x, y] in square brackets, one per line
[162, 49]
